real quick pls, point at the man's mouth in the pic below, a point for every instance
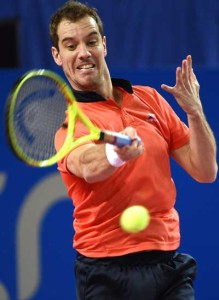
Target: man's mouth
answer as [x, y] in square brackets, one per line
[86, 67]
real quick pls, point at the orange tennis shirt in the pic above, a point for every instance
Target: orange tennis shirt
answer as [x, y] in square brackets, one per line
[145, 180]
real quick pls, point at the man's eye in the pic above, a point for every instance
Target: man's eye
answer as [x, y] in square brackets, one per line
[71, 46]
[93, 43]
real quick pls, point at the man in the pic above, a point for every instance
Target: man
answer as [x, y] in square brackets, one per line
[103, 180]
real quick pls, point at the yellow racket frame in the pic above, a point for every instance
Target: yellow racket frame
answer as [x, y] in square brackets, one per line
[74, 113]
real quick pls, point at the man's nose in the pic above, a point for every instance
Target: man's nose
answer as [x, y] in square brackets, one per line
[84, 51]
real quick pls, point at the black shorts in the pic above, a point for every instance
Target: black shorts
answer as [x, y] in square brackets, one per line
[154, 275]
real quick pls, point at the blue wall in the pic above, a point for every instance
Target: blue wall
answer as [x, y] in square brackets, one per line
[36, 256]
[139, 33]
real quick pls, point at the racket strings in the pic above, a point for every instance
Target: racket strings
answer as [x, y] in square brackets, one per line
[38, 113]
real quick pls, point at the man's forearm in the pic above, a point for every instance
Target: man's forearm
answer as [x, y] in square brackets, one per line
[202, 146]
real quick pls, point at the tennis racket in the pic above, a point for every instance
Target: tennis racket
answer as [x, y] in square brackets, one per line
[36, 109]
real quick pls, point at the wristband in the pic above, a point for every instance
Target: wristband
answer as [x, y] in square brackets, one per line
[113, 157]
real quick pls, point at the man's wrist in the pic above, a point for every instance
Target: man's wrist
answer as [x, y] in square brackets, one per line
[112, 157]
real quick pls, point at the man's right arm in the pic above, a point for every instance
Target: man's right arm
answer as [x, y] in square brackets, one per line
[90, 161]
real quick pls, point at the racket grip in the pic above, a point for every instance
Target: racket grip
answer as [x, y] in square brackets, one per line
[117, 139]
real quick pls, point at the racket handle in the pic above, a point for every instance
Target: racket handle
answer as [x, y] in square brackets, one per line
[117, 139]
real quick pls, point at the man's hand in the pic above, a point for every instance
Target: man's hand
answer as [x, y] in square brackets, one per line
[134, 150]
[186, 89]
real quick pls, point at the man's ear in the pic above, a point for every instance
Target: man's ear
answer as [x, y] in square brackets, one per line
[56, 56]
[104, 45]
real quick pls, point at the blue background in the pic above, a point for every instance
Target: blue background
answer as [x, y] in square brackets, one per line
[146, 42]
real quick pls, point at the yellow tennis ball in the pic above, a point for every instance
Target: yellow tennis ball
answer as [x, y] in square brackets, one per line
[134, 219]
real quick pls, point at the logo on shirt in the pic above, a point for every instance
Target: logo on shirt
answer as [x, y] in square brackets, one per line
[151, 118]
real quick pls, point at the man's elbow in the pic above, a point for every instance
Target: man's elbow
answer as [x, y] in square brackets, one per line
[208, 177]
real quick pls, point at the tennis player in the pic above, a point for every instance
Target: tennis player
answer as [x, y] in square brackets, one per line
[103, 180]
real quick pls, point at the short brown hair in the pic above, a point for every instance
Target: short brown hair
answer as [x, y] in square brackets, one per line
[72, 11]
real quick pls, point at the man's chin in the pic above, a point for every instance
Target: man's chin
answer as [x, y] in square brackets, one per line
[88, 85]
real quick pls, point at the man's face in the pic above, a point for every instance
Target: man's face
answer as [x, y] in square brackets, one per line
[82, 52]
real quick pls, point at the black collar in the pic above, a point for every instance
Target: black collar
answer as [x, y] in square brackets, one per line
[82, 96]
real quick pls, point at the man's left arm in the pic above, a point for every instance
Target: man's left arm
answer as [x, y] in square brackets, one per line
[198, 157]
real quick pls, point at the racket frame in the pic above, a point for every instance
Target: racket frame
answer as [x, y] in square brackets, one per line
[74, 113]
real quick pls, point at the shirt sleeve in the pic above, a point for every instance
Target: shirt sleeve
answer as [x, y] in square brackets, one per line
[59, 140]
[178, 130]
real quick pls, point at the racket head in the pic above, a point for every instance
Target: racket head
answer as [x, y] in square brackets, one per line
[35, 110]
